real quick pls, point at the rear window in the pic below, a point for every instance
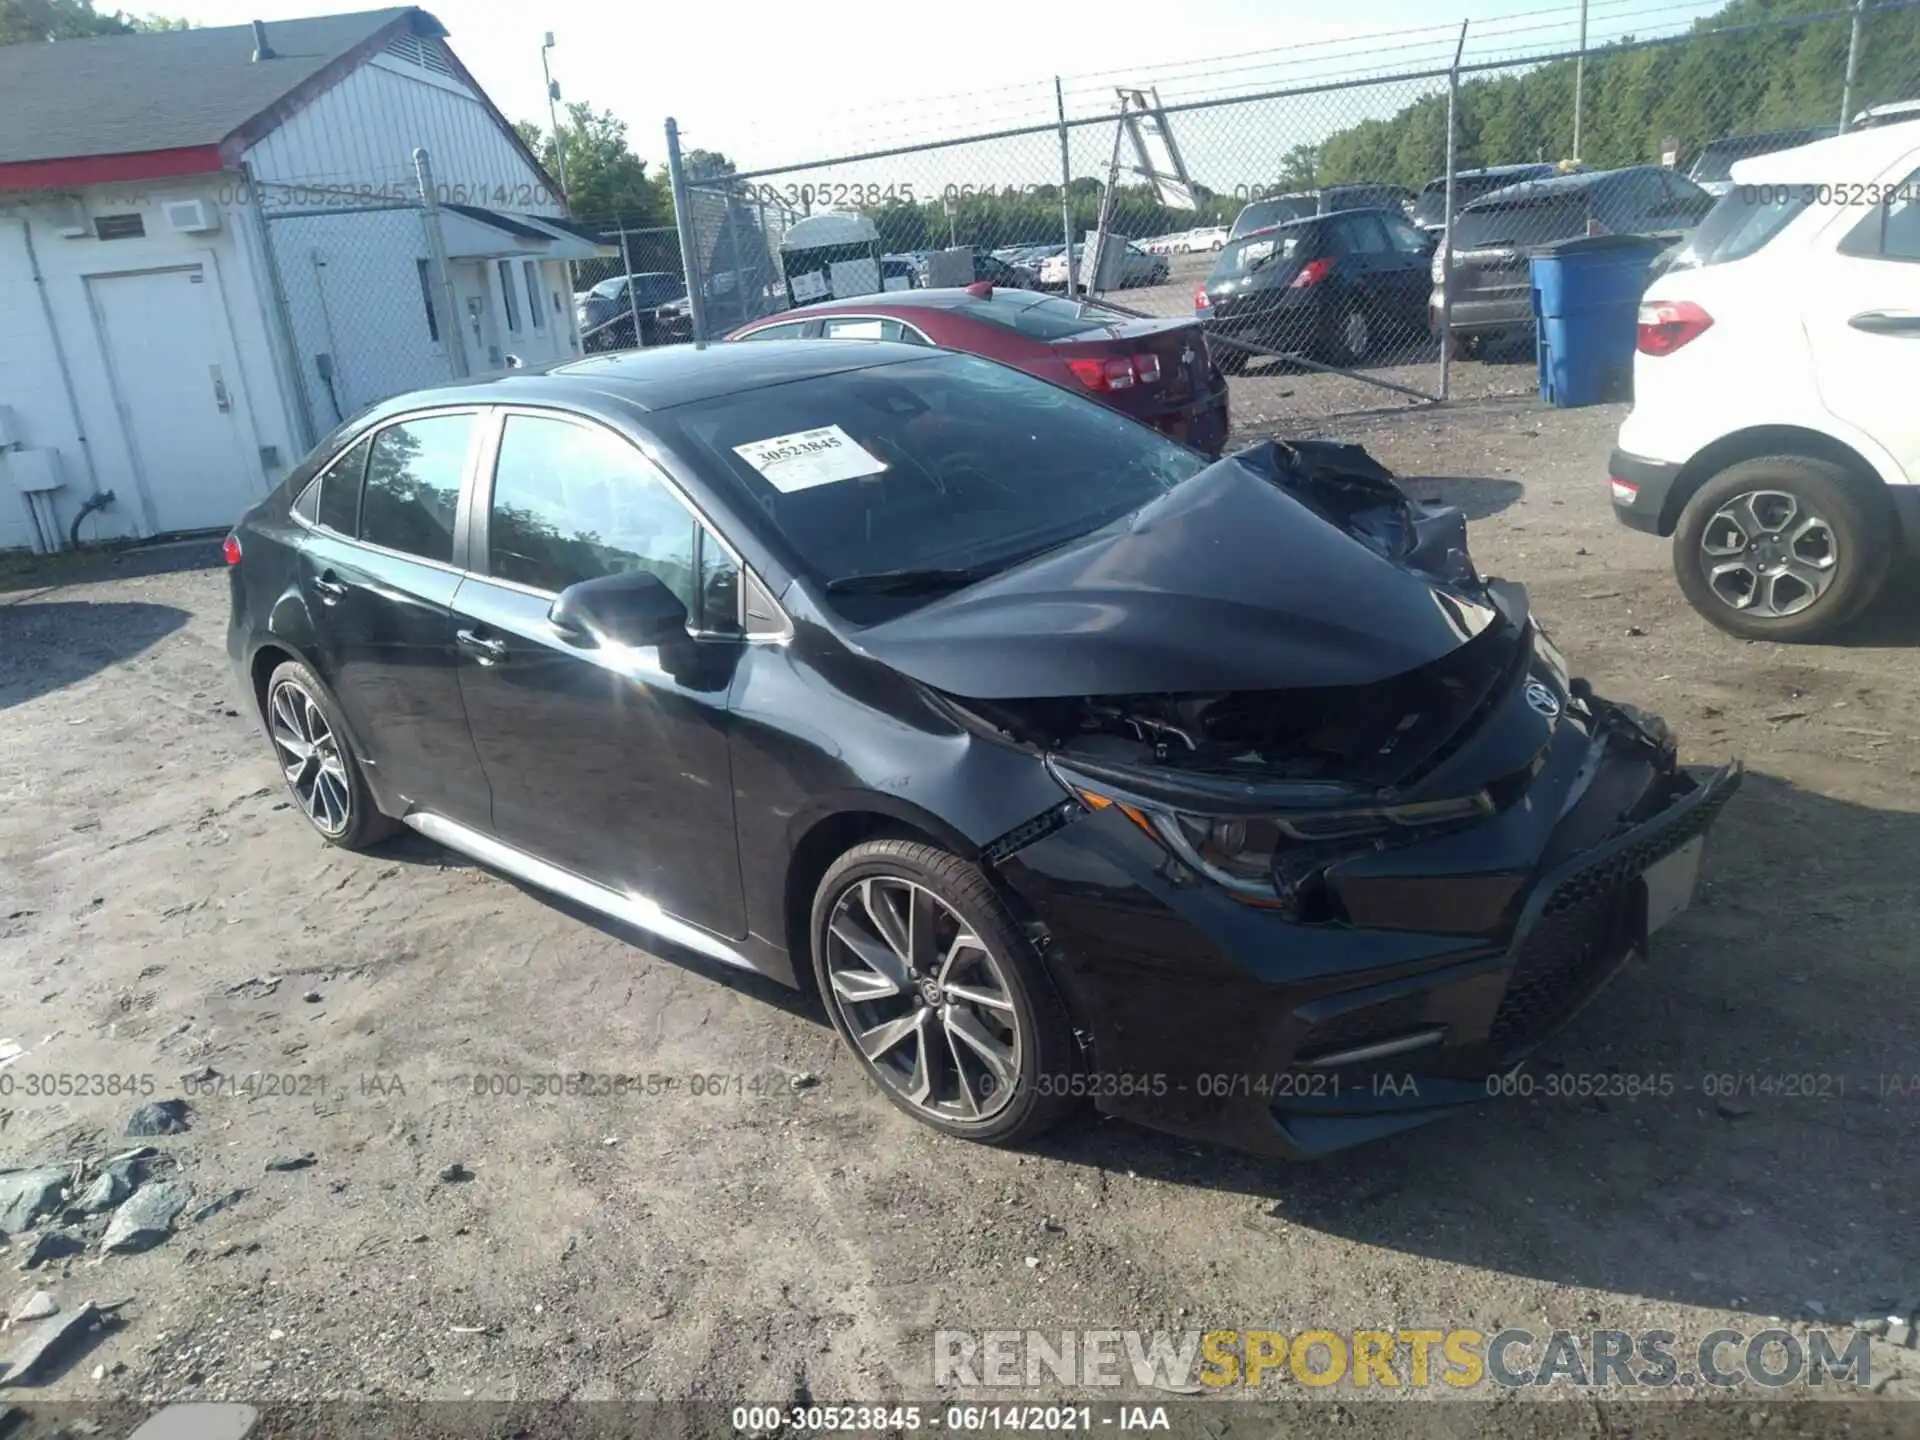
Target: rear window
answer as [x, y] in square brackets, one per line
[1743, 221]
[1716, 162]
[1262, 213]
[1526, 222]
[1431, 207]
[1042, 317]
[1243, 257]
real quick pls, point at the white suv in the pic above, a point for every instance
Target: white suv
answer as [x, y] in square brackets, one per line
[1775, 430]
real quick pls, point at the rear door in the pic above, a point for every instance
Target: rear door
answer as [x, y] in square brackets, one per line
[606, 761]
[379, 575]
[1863, 320]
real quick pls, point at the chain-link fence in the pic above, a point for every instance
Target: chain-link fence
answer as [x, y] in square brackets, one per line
[1349, 232]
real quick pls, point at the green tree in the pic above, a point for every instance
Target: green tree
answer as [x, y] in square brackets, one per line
[705, 164]
[607, 184]
[22, 21]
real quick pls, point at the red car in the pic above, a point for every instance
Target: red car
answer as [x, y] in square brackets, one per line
[1157, 371]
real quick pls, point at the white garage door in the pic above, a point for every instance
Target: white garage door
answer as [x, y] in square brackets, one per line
[176, 380]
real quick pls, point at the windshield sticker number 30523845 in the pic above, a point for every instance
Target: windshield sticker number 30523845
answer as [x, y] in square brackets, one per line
[808, 458]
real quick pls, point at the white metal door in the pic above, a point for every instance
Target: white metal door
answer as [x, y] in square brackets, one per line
[1863, 322]
[177, 384]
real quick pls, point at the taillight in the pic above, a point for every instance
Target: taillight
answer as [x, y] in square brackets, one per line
[1118, 372]
[1201, 300]
[1666, 325]
[1312, 273]
[230, 550]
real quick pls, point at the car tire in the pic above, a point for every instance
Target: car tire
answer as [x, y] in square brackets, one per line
[1462, 347]
[1351, 340]
[1009, 1032]
[1782, 547]
[317, 761]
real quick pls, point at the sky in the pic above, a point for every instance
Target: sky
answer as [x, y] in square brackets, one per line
[772, 85]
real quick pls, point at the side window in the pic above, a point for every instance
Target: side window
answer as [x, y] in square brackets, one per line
[530, 269]
[789, 331]
[508, 297]
[413, 486]
[339, 507]
[307, 505]
[1407, 239]
[1361, 235]
[574, 502]
[1891, 229]
[854, 328]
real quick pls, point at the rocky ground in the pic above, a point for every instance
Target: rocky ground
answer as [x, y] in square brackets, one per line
[327, 1203]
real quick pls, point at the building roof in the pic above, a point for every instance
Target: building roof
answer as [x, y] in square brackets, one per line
[169, 89]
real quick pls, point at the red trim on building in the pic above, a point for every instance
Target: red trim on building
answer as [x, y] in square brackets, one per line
[79, 170]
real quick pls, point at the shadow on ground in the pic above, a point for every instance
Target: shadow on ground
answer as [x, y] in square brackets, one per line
[1476, 496]
[1771, 1032]
[47, 645]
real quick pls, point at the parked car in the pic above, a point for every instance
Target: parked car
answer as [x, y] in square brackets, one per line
[1279, 209]
[765, 295]
[1207, 237]
[1158, 371]
[1042, 750]
[987, 266]
[1774, 432]
[1712, 168]
[1430, 209]
[1139, 268]
[1495, 236]
[1894, 112]
[1166, 244]
[605, 313]
[1347, 287]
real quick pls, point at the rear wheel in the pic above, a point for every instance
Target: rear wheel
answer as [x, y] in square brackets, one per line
[1352, 340]
[321, 771]
[1782, 547]
[939, 994]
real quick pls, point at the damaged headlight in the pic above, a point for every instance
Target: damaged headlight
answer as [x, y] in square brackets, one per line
[1265, 859]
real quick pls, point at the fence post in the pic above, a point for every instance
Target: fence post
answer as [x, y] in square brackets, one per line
[1066, 181]
[1853, 65]
[1446, 233]
[1579, 78]
[633, 300]
[683, 222]
[282, 313]
[1097, 252]
[452, 332]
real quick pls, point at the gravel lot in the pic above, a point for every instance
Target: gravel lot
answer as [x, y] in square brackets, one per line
[163, 915]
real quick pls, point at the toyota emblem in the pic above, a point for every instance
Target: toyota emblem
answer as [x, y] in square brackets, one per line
[1542, 699]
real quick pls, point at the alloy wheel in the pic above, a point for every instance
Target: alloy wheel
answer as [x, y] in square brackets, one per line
[924, 999]
[1767, 554]
[1354, 335]
[310, 756]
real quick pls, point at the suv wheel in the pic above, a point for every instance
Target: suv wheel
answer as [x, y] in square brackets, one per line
[936, 990]
[1783, 547]
[310, 744]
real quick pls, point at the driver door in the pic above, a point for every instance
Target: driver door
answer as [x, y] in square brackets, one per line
[610, 762]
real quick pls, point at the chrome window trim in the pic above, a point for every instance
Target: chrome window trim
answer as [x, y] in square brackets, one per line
[372, 433]
[483, 481]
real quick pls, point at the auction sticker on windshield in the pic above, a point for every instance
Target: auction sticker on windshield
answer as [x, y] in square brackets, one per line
[808, 458]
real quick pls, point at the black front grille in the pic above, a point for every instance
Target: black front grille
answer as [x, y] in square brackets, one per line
[1585, 926]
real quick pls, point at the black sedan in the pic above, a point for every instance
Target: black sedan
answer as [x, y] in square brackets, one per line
[1348, 288]
[1059, 760]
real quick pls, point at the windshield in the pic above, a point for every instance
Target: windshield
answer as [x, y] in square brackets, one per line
[1243, 257]
[1716, 162]
[948, 462]
[1743, 221]
[1039, 317]
[606, 289]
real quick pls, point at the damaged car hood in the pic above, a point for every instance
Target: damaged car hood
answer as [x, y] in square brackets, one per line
[1280, 567]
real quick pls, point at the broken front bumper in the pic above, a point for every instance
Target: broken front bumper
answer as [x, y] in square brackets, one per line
[1210, 1019]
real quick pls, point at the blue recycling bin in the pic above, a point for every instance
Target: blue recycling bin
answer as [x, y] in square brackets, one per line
[1586, 296]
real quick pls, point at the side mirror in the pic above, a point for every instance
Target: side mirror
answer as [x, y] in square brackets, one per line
[632, 609]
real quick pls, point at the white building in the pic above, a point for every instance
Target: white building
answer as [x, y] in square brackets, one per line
[212, 251]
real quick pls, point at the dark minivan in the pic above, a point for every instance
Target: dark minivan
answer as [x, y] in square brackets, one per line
[1494, 237]
[1430, 210]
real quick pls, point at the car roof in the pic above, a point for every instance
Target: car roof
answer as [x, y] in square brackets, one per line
[1549, 185]
[1761, 136]
[1524, 167]
[662, 378]
[1855, 156]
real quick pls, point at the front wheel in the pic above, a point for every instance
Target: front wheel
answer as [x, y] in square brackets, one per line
[1782, 547]
[939, 994]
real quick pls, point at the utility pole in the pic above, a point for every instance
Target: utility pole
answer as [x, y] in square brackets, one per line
[553, 113]
[1579, 79]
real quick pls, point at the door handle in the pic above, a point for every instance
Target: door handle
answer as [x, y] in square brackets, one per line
[331, 590]
[1887, 322]
[486, 651]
